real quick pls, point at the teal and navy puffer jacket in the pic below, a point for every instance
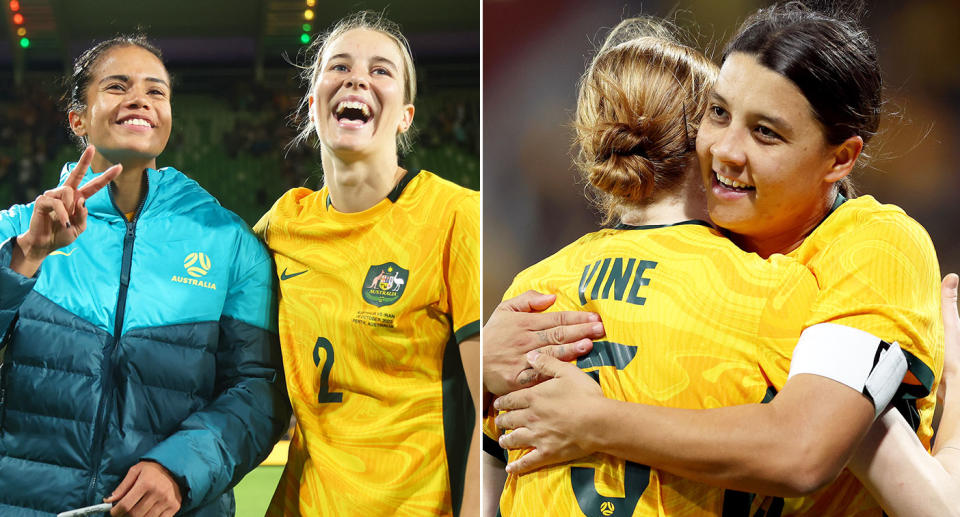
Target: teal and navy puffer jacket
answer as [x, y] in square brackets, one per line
[146, 340]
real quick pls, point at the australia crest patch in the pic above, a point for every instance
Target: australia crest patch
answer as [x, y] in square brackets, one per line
[384, 284]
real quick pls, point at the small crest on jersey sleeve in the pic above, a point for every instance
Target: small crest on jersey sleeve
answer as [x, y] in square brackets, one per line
[384, 284]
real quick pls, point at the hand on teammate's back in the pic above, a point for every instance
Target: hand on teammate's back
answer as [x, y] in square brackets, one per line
[517, 326]
[540, 416]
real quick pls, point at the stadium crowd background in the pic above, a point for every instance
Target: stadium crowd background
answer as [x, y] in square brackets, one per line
[534, 52]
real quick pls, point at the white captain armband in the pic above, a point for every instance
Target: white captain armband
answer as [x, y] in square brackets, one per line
[853, 357]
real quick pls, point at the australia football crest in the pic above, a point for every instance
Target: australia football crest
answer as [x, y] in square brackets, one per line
[384, 284]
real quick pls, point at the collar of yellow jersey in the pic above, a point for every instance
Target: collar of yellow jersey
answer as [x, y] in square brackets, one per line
[624, 226]
[394, 194]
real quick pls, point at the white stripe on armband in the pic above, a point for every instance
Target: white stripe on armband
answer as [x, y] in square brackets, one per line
[852, 357]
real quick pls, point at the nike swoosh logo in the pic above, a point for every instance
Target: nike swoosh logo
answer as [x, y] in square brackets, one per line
[285, 276]
[58, 252]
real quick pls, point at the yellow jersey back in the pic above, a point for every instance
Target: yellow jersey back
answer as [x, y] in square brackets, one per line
[691, 322]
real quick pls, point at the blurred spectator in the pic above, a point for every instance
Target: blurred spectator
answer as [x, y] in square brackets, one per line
[232, 140]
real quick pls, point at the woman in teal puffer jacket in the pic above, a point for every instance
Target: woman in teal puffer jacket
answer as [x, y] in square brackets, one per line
[141, 364]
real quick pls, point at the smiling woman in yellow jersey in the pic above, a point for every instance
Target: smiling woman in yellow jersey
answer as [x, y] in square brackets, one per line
[379, 300]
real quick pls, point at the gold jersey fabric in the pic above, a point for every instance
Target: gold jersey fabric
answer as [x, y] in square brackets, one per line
[878, 272]
[691, 322]
[372, 306]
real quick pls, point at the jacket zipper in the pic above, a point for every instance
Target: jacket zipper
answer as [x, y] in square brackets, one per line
[7, 338]
[3, 366]
[3, 396]
[108, 366]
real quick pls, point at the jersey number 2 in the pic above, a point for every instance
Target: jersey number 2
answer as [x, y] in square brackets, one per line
[325, 394]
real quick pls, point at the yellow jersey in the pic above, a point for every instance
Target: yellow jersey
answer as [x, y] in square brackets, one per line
[878, 272]
[691, 322]
[372, 306]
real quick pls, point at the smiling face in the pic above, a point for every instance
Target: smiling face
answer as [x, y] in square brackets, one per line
[357, 102]
[767, 168]
[127, 114]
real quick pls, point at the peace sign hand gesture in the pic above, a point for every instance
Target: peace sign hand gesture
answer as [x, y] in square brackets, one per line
[59, 216]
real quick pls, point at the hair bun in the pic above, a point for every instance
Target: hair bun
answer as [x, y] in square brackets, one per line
[638, 107]
[624, 139]
[623, 167]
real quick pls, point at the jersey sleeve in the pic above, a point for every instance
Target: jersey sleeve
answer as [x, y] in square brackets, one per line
[882, 278]
[529, 279]
[784, 317]
[517, 287]
[262, 226]
[491, 435]
[461, 264]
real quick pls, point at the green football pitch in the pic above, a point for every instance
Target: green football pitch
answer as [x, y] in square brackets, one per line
[253, 493]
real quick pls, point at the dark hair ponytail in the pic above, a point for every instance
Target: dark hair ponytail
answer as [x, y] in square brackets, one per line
[829, 57]
[75, 98]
